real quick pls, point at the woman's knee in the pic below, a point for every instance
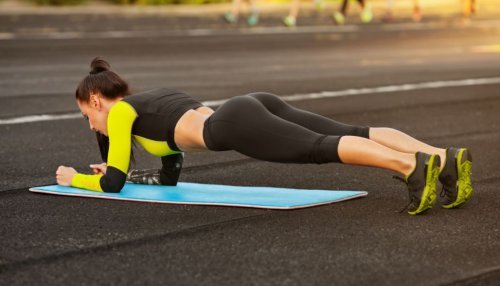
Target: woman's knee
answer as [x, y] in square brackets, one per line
[362, 131]
[352, 130]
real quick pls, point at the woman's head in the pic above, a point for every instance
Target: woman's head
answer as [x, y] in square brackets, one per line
[96, 91]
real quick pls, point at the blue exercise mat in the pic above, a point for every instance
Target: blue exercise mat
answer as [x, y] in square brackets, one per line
[220, 195]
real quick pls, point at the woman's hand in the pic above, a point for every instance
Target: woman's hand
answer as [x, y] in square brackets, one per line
[99, 168]
[64, 175]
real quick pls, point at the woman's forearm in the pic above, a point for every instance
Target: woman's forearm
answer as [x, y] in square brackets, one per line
[87, 182]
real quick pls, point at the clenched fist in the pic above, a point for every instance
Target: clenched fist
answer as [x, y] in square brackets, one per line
[64, 175]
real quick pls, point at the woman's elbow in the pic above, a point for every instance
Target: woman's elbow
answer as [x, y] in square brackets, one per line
[113, 187]
[113, 181]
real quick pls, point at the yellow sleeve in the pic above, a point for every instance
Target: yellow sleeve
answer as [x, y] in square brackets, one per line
[121, 118]
[88, 182]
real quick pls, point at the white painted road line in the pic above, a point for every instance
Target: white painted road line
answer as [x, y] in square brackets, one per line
[380, 89]
[65, 35]
[295, 97]
[58, 35]
[39, 118]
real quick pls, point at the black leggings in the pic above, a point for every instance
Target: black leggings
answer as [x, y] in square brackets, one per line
[263, 126]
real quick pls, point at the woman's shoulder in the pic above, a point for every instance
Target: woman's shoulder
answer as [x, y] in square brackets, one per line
[122, 108]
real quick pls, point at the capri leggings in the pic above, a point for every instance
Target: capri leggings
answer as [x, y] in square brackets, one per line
[263, 126]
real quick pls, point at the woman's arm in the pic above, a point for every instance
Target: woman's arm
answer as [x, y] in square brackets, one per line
[120, 120]
[103, 142]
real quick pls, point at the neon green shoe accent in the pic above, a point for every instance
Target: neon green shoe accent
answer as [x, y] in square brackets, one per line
[429, 196]
[367, 15]
[290, 21]
[230, 18]
[464, 184]
[338, 18]
[253, 19]
[320, 5]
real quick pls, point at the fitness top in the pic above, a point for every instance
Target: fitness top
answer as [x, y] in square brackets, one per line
[149, 118]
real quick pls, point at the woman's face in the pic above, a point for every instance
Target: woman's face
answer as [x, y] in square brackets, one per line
[95, 113]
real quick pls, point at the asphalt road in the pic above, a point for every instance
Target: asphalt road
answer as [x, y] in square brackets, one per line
[55, 240]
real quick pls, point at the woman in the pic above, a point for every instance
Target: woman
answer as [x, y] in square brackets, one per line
[260, 125]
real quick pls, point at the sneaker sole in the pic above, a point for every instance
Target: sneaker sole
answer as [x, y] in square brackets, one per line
[464, 184]
[429, 196]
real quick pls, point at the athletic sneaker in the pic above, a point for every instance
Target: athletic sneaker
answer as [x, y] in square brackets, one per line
[290, 21]
[456, 178]
[320, 5]
[366, 15]
[339, 18]
[230, 18]
[146, 177]
[422, 183]
[253, 19]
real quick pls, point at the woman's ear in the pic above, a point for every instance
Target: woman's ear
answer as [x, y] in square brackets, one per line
[95, 101]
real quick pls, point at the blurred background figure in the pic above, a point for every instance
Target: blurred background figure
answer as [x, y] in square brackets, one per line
[417, 14]
[232, 16]
[469, 8]
[291, 19]
[340, 15]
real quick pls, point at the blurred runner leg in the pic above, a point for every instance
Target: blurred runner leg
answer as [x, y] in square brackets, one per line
[340, 15]
[469, 8]
[232, 16]
[291, 19]
[388, 17]
[417, 14]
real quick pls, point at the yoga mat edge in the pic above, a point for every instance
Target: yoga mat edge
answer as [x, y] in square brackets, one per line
[353, 195]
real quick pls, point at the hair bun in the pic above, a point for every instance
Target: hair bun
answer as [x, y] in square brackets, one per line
[99, 65]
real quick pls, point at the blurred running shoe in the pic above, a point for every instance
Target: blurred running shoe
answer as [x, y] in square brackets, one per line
[366, 15]
[320, 5]
[456, 178]
[339, 18]
[230, 18]
[290, 21]
[253, 19]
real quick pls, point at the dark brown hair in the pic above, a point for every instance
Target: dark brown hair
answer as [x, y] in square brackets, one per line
[103, 80]
[108, 83]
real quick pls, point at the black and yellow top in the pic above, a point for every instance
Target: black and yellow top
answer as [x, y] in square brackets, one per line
[149, 118]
